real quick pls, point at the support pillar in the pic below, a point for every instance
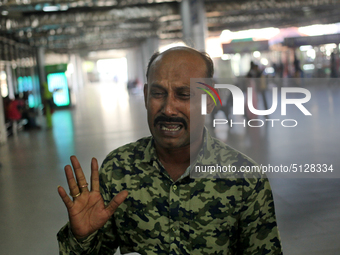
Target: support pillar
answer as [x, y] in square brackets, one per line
[41, 64]
[79, 70]
[138, 59]
[149, 47]
[135, 65]
[194, 23]
[9, 73]
[3, 131]
[77, 74]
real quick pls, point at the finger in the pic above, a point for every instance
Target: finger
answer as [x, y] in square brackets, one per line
[94, 175]
[72, 184]
[81, 180]
[66, 199]
[116, 201]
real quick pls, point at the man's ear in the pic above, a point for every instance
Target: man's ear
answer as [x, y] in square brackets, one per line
[145, 90]
[210, 105]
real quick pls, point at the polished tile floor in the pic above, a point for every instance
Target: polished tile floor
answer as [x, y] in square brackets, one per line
[105, 117]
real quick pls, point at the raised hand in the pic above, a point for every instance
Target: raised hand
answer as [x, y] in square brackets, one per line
[87, 212]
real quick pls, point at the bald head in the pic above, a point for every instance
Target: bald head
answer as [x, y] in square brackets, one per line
[168, 97]
[184, 54]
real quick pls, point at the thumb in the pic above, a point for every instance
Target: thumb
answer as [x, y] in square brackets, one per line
[116, 201]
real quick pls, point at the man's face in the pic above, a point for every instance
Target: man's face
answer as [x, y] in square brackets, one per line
[167, 99]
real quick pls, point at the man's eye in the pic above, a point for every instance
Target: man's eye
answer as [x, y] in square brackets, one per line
[185, 95]
[157, 94]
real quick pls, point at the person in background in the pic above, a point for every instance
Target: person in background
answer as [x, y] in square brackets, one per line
[259, 84]
[29, 114]
[48, 104]
[333, 66]
[13, 112]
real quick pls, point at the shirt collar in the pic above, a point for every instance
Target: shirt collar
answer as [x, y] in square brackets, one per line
[150, 151]
[204, 156]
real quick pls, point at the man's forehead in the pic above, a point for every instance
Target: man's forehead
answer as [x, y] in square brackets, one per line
[175, 85]
[193, 85]
[177, 67]
[181, 56]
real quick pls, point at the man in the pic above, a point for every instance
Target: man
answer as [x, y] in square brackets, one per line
[150, 204]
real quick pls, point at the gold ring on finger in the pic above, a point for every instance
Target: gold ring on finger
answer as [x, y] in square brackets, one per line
[75, 195]
[84, 186]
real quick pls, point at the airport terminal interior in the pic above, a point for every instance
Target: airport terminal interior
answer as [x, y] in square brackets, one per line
[76, 70]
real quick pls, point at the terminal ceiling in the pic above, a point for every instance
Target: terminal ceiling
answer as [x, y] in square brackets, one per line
[90, 25]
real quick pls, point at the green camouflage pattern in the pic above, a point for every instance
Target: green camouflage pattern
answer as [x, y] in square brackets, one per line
[189, 216]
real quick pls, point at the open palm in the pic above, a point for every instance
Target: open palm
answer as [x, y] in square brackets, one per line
[87, 212]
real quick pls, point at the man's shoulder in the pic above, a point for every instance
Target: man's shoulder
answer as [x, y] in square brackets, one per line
[129, 152]
[224, 153]
[138, 145]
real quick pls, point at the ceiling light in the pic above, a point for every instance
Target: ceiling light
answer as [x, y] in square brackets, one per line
[256, 54]
[51, 8]
[63, 7]
[263, 33]
[35, 23]
[264, 61]
[305, 47]
[226, 57]
[54, 8]
[319, 29]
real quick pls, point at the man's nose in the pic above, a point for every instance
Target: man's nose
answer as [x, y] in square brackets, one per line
[170, 106]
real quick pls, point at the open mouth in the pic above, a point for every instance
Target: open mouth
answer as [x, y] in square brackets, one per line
[170, 127]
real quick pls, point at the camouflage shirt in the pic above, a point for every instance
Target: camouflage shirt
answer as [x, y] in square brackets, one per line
[187, 216]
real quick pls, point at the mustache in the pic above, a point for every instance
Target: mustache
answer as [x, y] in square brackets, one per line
[170, 119]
